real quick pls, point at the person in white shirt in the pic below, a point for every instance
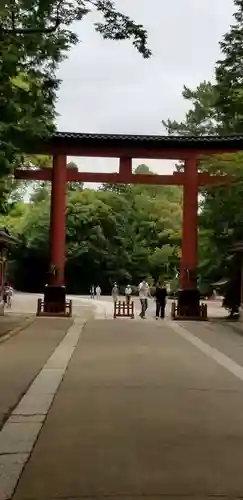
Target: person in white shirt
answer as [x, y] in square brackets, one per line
[98, 291]
[8, 294]
[144, 293]
[115, 292]
[128, 293]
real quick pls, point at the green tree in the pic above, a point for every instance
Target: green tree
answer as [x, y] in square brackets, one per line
[229, 74]
[35, 36]
[163, 262]
[74, 186]
[110, 237]
[202, 118]
[29, 260]
[217, 108]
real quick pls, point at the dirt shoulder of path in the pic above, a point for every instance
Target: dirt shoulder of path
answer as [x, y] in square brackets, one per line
[12, 323]
[22, 356]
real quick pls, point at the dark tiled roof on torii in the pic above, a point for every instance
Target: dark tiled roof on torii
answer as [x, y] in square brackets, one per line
[152, 139]
[135, 146]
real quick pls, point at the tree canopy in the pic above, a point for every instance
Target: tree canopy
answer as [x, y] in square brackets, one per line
[216, 108]
[35, 37]
[111, 236]
[118, 232]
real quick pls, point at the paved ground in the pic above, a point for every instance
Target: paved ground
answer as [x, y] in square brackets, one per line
[11, 321]
[121, 409]
[22, 357]
[215, 309]
[141, 413]
[103, 306]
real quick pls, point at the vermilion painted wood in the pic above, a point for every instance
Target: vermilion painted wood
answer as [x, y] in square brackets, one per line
[188, 267]
[190, 179]
[141, 152]
[58, 219]
[121, 178]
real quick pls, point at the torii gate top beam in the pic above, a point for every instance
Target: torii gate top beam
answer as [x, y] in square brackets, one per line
[136, 146]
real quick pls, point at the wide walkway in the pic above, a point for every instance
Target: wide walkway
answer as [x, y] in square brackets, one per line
[103, 307]
[125, 409]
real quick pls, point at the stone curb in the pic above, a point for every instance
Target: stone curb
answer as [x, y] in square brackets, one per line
[21, 431]
[11, 332]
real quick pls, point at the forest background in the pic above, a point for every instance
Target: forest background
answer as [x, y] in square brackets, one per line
[114, 233]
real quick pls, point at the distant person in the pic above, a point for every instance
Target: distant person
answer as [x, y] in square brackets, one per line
[92, 292]
[10, 295]
[144, 293]
[115, 292]
[98, 292]
[160, 296]
[128, 293]
[7, 294]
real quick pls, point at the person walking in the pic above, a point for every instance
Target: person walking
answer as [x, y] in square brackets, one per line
[115, 292]
[144, 293]
[5, 293]
[92, 292]
[160, 296]
[128, 293]
[98, 291]
[8, 294]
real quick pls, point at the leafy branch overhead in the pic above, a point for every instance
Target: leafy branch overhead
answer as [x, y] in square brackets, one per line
[42, 17]
[118, 26]
[35, 37]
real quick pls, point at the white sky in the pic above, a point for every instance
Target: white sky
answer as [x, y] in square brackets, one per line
[107, 87]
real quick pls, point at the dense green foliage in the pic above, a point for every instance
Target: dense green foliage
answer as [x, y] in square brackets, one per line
[217, 108]
[110, 236]
[119, 232]
[35, 36]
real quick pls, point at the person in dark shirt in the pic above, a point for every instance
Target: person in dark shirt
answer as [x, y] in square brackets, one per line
[160, 296]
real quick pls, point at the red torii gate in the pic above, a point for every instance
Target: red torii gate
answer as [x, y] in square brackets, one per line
[127, 147]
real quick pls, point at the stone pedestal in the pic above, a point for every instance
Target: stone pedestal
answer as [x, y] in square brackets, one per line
[54, 303]
[189, 303]
[188, 306]
[54, 294]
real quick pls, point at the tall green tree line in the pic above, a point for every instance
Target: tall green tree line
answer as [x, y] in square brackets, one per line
[217, 108]
[111, 236]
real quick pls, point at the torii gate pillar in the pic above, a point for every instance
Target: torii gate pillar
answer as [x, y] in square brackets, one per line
[58, 220]
[188, 271]
[189, 296]
[55, 303]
